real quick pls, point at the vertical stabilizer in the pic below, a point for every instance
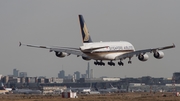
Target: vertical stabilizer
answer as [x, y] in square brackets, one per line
[84, 30]
[2, 86]
[111, 85]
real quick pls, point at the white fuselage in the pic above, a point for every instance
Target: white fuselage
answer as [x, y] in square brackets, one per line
[106, 50]
[82, 90]
[108, 90]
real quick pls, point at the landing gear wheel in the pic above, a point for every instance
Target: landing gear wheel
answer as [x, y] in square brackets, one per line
[99, 63]
[120, 63]
[129, 62]
[95, 62]
[111, 63]
[103, 64]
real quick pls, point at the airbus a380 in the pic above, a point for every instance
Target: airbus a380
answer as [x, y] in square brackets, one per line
[100, 51]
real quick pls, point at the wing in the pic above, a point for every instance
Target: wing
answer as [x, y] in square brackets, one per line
[69, 50]
[138, 52]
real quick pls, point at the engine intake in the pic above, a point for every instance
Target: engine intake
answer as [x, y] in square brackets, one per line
[61, 54]
[143, 57]
[159, 55]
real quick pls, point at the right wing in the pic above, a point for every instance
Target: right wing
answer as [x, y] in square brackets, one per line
[68, 50]
[138, 52]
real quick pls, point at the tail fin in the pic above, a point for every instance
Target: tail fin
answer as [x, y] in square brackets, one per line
[111, 85]
[2, 86]
[84, 31]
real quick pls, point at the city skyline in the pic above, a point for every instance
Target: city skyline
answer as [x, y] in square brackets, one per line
[62, 74]
[145, 24]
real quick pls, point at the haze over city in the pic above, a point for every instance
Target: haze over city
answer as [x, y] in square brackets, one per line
[146, 24]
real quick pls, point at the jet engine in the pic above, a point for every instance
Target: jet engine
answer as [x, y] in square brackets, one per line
[61, 54]
[86, 58]
[159, 55]
[143, 57]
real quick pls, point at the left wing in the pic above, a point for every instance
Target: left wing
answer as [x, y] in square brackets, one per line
[142, 52]
[69, 50]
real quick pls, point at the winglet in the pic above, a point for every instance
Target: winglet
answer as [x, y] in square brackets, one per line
[20, 44]
[174, 45]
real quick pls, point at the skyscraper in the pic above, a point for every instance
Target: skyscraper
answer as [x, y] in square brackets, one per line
[87, 71]
[0, 77]
[15, 72]
[91, 74]
[61, 74]
[77, 75]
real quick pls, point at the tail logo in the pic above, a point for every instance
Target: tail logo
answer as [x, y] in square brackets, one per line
[86, 37]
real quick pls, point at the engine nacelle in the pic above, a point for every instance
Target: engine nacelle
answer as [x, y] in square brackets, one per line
[159, 55]
[86, 58]
[143, 57]
[61, 54]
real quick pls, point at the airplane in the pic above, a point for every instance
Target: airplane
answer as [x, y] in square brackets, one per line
[101, 51]
[94, 92]
[83, 90]
[112, 89]
[108, 90]
[26, 91]
[2, 87]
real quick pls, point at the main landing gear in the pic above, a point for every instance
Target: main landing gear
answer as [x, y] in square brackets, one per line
[111, 63]
[99, 63]
[120, 63]
[103, 64]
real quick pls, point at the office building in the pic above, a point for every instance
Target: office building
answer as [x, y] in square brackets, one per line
[77, 75]
[0, 76]
[61, 74]
[91, 74]
[87, 71]
[15, 72]
[23, 74]
[83, 75]
[5, 79]
[176, 77]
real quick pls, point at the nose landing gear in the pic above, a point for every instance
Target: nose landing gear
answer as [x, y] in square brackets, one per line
[129, 62]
